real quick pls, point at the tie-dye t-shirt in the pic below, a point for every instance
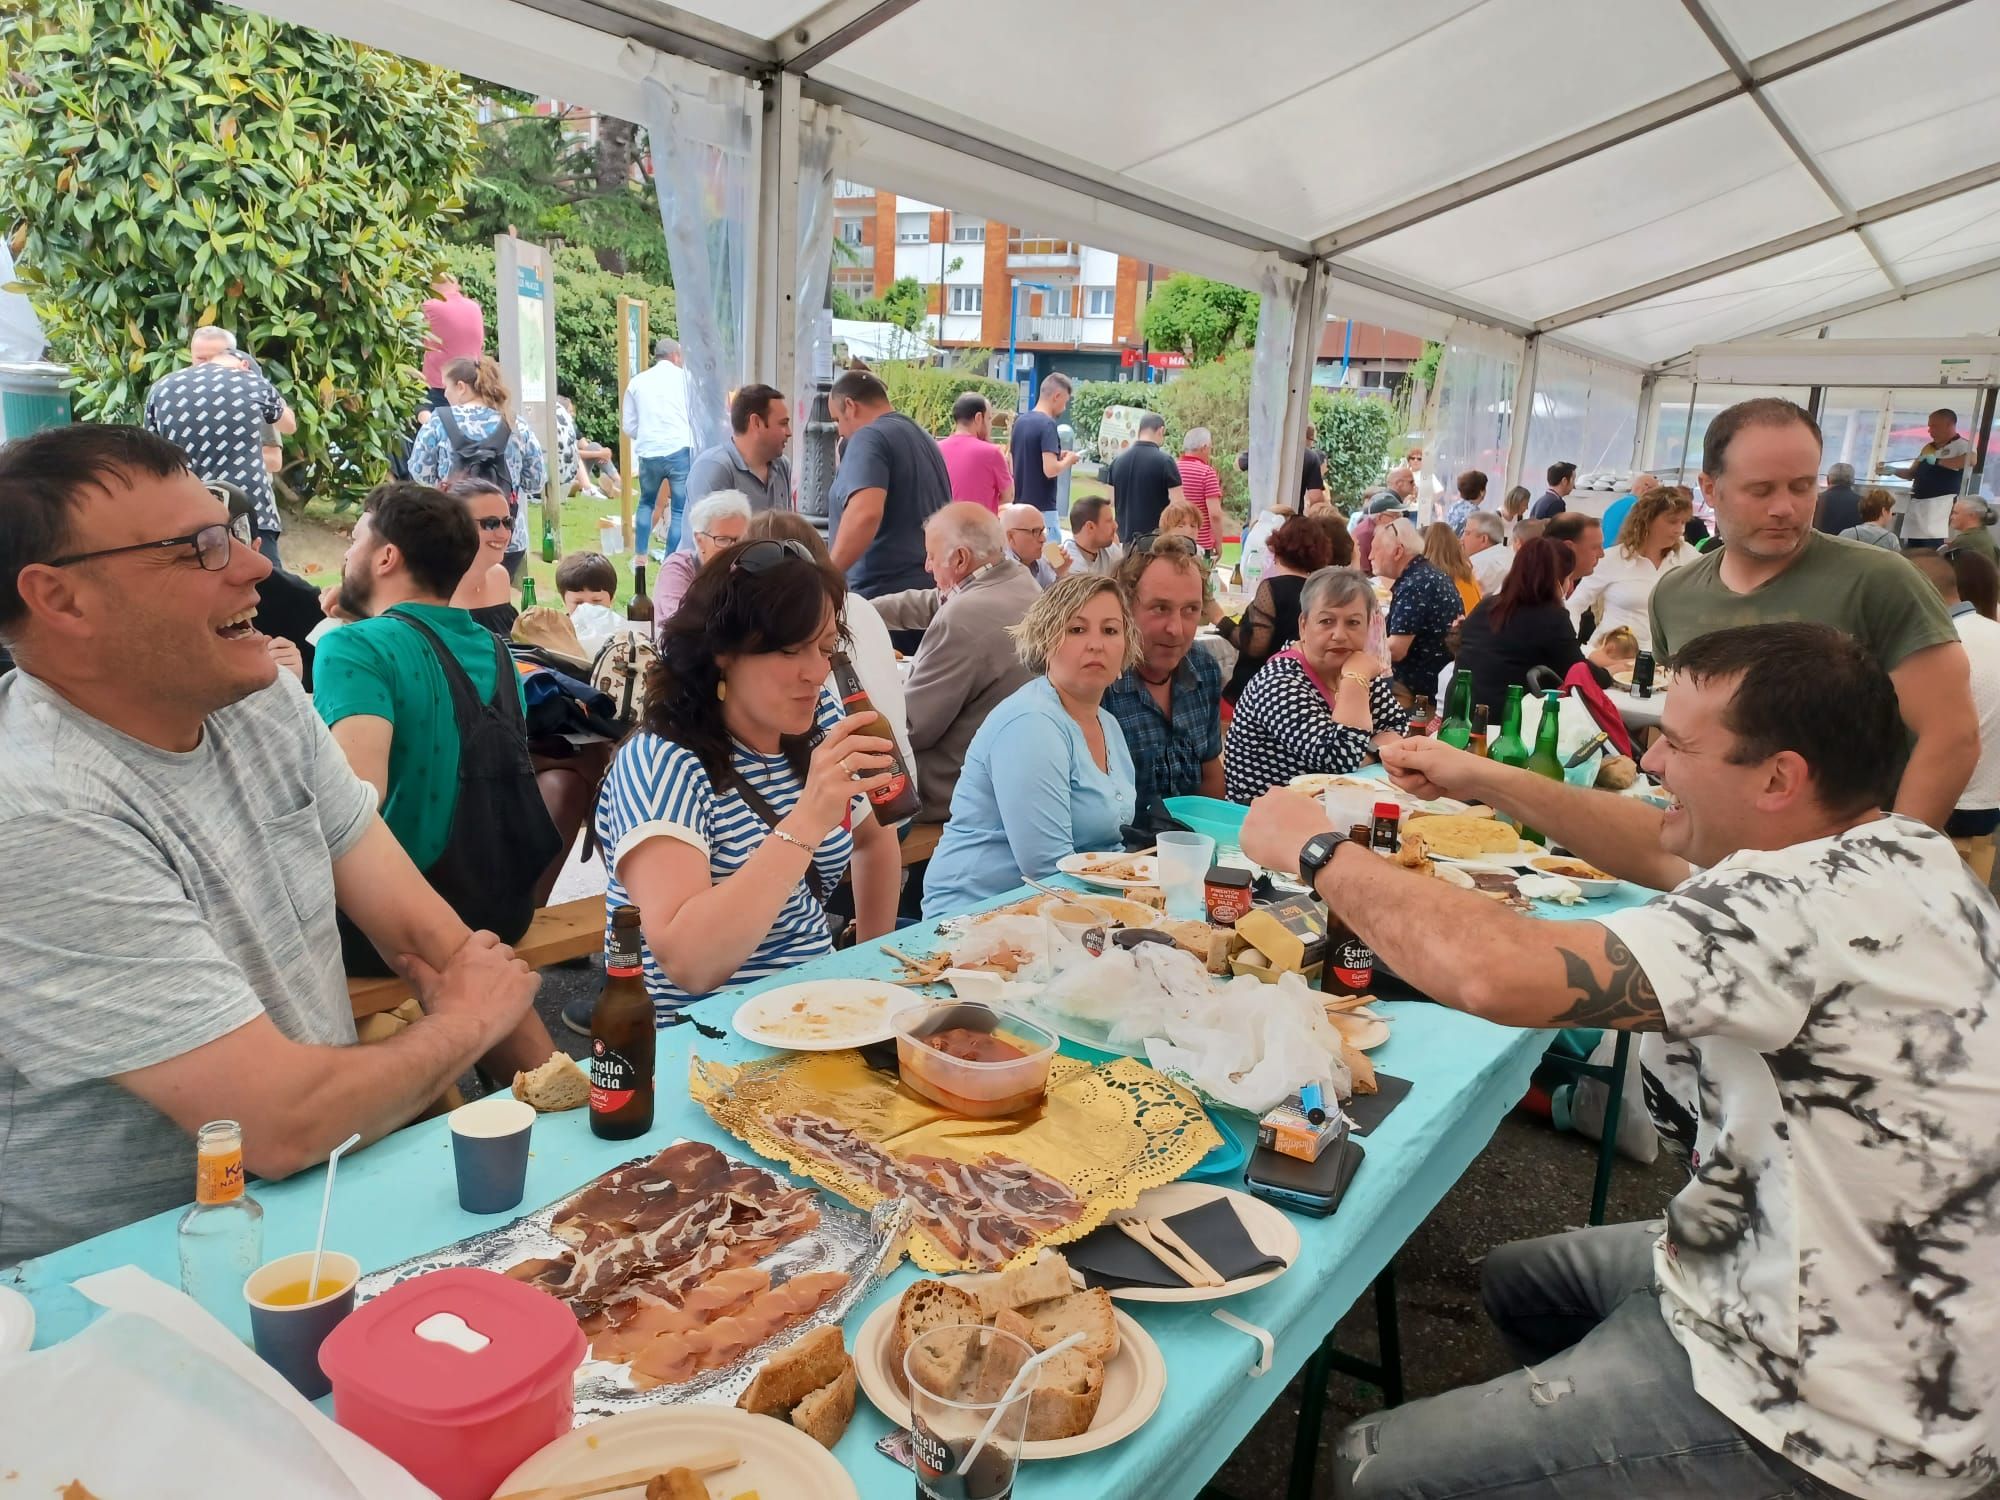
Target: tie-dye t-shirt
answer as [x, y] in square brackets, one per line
[1832, 1059]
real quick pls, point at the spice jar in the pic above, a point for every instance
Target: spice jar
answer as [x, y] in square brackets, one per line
[1227, 892]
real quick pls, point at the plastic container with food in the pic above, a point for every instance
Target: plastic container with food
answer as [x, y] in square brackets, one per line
[972, 1059]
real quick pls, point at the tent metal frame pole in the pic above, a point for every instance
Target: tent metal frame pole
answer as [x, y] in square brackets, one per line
[1288, 469]
[1649, 391]
[1521, 418]
[1687, 433]
[773, 316]
[1986, 405]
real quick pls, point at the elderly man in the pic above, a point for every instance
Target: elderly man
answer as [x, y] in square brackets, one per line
[717, 520]
[1092, 544]
[1760, 470]
[1819, 1012]
[753, 461]
[1970, 520]
[1614, 513]
[891, 480]
[176, 827]
[1839, 503]
[1377, 508]
[1423, 606]
[1201, 486]
[1169, 702]
[1554, 500]
[966, 662]
[1028, 544]
[1487, 550]
[215, 410]
[655, 417]
[1144, 479]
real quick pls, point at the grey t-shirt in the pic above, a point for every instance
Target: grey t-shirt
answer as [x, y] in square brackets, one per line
[154, 901]
[722, 468]
[894, 455]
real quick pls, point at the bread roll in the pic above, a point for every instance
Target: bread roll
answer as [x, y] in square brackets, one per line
[823, 1414]
[926, 1305]
[557, 1085]
[1067, 1391]
[1088, 1312]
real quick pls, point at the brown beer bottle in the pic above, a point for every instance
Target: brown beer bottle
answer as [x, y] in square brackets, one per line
[641, 607]
[896, 799]
[1477, 744]
[621, 1038]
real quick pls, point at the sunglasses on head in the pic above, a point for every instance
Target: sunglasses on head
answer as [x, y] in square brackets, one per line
[761, 557]
[1157, 541]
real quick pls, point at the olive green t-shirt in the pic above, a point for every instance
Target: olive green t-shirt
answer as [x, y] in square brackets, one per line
[385, 668]
[1872, 594]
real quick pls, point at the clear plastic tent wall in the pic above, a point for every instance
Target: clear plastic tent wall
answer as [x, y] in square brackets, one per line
[1585, 412]
[819, 137]
[1474, 405]
[1278, 292]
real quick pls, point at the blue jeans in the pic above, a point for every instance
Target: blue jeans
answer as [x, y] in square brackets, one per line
[672, 471]
[1606, 1409]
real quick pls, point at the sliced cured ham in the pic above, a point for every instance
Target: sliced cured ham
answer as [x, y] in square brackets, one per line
[682, 1353]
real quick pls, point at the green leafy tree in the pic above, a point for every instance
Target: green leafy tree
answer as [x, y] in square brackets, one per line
[1203, 319]
[925, 395]
[1353, 431]
[174, 163]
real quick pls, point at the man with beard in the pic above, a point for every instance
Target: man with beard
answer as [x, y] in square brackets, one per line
[175, 827]
[426, 705]
[1819, 990]
[1169, 702]
[1760, 472]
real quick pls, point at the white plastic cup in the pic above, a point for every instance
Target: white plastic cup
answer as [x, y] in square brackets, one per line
[1185, 860]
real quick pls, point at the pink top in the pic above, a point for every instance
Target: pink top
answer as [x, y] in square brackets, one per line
[458, 331]
[1199, 485]
[978, 470]
[676, 576]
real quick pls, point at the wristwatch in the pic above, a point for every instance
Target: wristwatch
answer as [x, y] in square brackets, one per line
[1314, 855]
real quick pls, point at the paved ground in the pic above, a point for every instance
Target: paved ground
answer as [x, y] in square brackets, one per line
[1529, 1181]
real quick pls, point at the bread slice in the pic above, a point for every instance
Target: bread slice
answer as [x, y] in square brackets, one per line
[1087, 1312]
[1068, 1389]
[557, 1085]
[791, 1375]
[823, 1414]
[1037, 1280]
[926, 1305]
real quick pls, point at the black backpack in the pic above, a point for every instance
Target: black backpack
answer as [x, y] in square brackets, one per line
[481, 458]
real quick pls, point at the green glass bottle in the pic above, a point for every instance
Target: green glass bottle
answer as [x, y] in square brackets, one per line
[1508, 747]
[548, 536]
[527, 593]
[1546, 760]
[1457, 728]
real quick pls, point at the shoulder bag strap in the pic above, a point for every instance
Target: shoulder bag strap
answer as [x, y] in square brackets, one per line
[754, 800]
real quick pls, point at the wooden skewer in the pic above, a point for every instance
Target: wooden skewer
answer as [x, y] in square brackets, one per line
[709, 1461]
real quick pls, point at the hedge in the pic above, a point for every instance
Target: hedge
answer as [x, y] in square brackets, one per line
[925, 394]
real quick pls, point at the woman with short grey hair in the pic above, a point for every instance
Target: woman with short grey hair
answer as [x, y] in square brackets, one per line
[716, 521]
[1322, 705]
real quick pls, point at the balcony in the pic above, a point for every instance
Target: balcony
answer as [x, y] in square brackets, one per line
[1047, 330]
[1042, 255]
[847, 254]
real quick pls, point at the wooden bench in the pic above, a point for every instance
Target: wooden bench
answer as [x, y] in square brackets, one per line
[920, 842]
[570, 930]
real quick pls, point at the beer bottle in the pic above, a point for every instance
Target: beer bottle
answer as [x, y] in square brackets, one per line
[222, 1237]
[527, 594]
[896, 799]
[548, 535]
[1476, 743]
[1457, 730]
[1422, 718]
[621, 1038]
[641, 607]
[1350, 963]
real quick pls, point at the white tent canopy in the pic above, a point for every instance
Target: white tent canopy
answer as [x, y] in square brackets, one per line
[1623, 181]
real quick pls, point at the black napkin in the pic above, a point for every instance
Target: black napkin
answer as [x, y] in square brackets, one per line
[1366, 1111]
[1110, 1258]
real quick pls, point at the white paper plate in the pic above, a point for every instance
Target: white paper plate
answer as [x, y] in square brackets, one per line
[17, 1322]
[1268, 1228]
[823, 1015]
[1515, 861]
[778, 1459]
[1592, 889]
[1077, 867]
[1133, 1382]
[1319, 783]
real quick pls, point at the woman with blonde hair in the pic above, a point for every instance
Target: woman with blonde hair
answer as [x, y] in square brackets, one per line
[466, 434]
[1443, 551]
[1651, 544]
[1048, 773]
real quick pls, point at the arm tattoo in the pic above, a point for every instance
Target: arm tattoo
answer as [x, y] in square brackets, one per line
[1625, 998]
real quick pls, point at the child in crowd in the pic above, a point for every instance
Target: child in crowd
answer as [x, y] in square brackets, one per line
[586, 578]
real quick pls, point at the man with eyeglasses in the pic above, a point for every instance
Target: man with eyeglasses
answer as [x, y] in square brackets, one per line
[1027, 540]
[176, 826]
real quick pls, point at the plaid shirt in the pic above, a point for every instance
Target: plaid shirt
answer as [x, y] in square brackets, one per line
[1167, 756]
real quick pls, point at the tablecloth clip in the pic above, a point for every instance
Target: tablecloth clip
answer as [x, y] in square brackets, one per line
[1263, 1339]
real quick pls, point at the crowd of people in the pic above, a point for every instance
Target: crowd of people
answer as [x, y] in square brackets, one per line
[197, 849]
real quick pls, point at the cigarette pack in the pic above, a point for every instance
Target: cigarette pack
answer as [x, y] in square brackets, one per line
[1287, 1131]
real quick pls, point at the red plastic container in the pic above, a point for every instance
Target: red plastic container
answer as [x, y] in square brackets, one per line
[460, 1419]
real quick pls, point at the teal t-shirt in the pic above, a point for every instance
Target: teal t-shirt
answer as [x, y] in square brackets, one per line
[386, 669]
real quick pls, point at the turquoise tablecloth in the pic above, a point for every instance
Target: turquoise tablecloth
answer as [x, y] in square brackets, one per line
[397, 1198]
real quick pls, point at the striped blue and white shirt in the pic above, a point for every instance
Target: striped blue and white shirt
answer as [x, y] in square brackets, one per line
[658, 789]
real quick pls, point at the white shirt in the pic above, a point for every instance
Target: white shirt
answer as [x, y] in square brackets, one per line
[1619, 588]
[1103, 565]
[656, 411]
[1832, 1035]
[1490, 567]
[1982, 652]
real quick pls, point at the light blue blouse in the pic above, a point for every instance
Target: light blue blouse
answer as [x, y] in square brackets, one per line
[1029, 794]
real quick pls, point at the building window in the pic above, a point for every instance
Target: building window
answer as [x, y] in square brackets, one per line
[967, 299]
[1100, 301]
[1059, 302]
[968, 234]
[842, 188]
[850, 231]
[913, 229]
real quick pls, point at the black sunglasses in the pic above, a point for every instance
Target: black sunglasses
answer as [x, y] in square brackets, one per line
[1156, 541]
[211, 543]
[495, 523]
[761, 557]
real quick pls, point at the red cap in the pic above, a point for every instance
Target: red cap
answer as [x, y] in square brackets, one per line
[1389, 810]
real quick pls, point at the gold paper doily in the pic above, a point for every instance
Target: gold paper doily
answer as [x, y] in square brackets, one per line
[1107, 1133]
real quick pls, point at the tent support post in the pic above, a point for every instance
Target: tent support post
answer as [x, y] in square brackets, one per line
[1289, 469]
[1649, 390]
[1986, 404]
[1523, 412]
[773, 329]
